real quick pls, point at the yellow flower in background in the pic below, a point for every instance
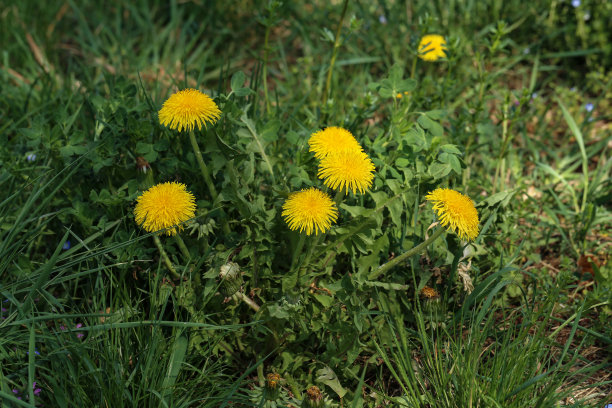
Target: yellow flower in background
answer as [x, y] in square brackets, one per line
[310, 210]
[187, 109]
[432, 47]
[350, 169]
[456, 212]
[163, 206]
[331, 140]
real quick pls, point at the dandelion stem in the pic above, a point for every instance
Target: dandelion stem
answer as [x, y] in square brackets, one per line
[334, 53]
[298, 251]
[203, 168]
[414, 64]
[385, 267]
[182, 247]
[265, 67]
[164, 256]
[250, 302]
[339, 196]
[188, 257]
[313, 244]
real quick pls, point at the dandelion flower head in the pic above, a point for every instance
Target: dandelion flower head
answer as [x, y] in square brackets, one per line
[163, 206]
[432, 47]
[349, 169]
[311, 210]
[331, 140]
[272, 380]
[456, 212]
[187, 109]
[429, 292]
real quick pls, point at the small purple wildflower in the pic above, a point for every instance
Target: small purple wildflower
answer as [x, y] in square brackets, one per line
[36, 390]
[382, 19]
[63, 328]
[79, 335]
[66, 245]
[589, 107]
[534, 95]
[31, 157]
[35, 352]
[575, 3]
[608, 406]
[15, 391]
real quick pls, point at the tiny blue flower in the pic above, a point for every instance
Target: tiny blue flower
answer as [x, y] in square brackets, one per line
[31, 157]
[608, 406]
[575, 3]
[589, 107]
[526, 51]
[66, 245]
[382, 19]
[534, 95]
[35, 352]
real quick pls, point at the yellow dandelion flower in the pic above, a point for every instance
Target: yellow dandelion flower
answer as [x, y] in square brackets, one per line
[456, 212]
[432, 47]
[163, 206]
[348, 169]
[187, 109]
[310, 210]
[331, 140]
[399, 95]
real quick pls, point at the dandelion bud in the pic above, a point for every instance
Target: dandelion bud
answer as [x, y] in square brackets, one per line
[231, 279]
[313, 398]
[272, 386]
[142, 164]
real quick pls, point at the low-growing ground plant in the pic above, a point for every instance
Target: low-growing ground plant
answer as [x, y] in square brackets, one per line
[277, 204]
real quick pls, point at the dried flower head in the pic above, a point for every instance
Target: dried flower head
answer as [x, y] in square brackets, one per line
[350, 169]
[332, 140]
[187, 109]
[272, 380]
[272, 386]
[429, 292]
[164, 206]
[432, 47]
[314, 398]
[456, 212]
[310, 210]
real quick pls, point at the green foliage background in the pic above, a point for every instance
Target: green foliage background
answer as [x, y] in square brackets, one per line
[504, 120]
